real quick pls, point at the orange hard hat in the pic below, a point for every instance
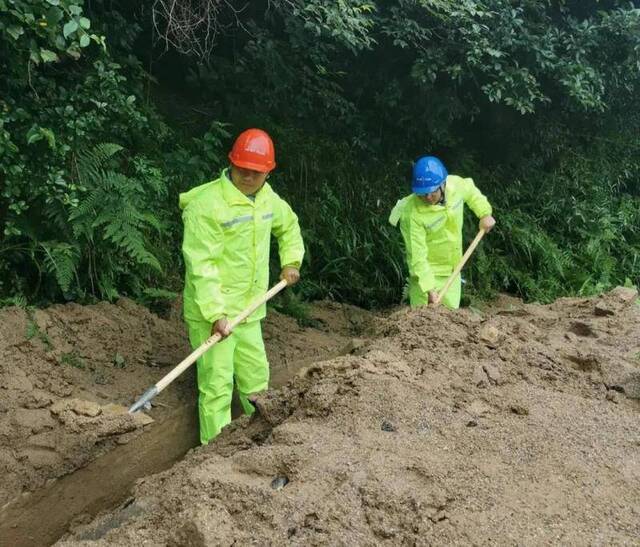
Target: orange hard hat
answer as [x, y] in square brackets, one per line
[253, 149]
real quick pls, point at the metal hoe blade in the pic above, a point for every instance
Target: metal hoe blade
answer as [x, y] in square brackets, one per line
[145, 400]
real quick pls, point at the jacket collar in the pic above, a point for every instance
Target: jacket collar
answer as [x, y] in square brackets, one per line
[233, 196]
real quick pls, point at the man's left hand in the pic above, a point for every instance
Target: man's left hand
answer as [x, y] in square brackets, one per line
[290, 274]
[487, 223]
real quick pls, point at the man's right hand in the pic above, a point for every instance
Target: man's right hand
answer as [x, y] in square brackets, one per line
[221, 327]
[434, 298]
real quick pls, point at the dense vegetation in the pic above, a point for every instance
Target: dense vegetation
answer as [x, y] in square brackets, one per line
[110, 108]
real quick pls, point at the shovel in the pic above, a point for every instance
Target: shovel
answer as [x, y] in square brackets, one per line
[145, 400]
[463, 261]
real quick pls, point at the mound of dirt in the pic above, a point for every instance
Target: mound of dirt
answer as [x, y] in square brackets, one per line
[65, 373]
[68, 374]
[518, 426]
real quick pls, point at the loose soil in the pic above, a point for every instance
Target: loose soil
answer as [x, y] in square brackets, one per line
[68, 447]
[515, 426]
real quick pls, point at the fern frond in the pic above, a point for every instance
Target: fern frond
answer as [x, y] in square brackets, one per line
[61, 260]
[91, 162]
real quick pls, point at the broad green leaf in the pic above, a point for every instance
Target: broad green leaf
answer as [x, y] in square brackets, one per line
[54, 2]
[85, 23]
[84, 40]
[53, 16]
[73, 53]
[15, 31]
[70, 28]
[49, 135]
[34, 135]
[48, 56]
[75, 10]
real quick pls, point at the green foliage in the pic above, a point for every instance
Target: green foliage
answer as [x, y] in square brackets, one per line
[290, 303]
[536, 100]
[45, 31]
[34, 331]
[114, 220]
[72, 359]
[79, 218]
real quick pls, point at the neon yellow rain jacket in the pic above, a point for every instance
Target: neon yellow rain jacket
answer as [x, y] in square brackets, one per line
[433, 233]
[226, 247]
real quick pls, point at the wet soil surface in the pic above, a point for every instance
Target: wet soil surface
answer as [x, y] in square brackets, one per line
[515, 426]
[68, 447]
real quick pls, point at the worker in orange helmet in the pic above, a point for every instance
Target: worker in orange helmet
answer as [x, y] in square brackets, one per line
[227, 231]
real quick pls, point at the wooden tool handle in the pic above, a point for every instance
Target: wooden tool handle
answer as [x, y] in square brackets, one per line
[188, 361]
[461, 264]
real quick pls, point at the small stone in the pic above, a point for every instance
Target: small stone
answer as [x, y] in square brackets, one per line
[279, 483]
[490, 335]
[472, 423]
[519, 410]
[387, 426]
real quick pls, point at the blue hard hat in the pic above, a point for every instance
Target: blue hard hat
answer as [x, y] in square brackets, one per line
[428, 175]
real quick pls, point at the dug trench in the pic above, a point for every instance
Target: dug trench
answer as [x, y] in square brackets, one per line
[69, 448]
[517, 425]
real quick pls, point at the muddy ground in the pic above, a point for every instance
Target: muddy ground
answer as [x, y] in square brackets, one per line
[67, 376]
[515, 426]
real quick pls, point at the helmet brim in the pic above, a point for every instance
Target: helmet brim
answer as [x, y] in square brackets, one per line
[261, 168]
[422, 191]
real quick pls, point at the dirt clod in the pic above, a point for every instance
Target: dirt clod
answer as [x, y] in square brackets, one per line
[387, 426]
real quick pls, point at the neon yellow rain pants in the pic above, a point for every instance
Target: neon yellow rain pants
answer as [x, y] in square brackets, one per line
[433, 238]
[240, 357]
[451, 299]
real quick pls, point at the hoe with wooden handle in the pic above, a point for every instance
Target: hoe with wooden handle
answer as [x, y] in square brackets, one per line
[145, 400]
[463, 260]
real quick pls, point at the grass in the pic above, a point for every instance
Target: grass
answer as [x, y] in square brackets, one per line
[72, 359]
[34, 331]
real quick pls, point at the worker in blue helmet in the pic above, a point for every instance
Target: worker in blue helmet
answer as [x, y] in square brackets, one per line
[431, 224]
